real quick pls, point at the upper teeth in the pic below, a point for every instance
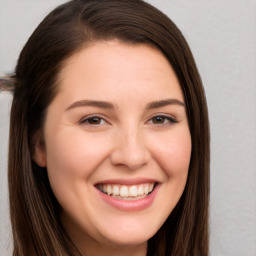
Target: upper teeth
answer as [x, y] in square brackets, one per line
[125, 190]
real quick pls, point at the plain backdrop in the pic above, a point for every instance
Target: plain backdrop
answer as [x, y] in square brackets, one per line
[222, 36]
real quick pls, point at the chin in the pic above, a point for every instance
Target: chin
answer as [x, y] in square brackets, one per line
[128, 235]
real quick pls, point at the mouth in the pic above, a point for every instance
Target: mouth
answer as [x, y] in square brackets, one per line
[127, 192]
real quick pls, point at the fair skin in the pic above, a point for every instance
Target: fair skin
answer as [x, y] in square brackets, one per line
[116, 130]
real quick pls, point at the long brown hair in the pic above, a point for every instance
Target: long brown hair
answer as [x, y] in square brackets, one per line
[33, 208]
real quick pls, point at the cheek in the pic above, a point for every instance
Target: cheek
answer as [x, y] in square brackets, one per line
[174, 152]
[173, 156]
[72, 157]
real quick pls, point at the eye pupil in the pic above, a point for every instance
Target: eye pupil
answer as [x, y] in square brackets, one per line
[158, 120]
[94, 120]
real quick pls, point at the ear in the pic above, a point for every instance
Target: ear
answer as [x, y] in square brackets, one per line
[38, 151]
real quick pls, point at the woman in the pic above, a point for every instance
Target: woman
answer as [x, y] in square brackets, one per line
[109, 137]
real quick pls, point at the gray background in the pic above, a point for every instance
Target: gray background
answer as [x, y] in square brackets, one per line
[222, 35]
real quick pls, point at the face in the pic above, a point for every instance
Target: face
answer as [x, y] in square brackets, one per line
[117, 143]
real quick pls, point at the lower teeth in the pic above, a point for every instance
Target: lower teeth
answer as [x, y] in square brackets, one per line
[129, 198]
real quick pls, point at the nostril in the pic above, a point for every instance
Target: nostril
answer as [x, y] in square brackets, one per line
[132, 160]
[129, 148]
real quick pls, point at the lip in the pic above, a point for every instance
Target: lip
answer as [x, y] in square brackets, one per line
[129, 205]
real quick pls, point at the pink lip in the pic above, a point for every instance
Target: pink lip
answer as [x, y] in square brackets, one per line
[129, 205]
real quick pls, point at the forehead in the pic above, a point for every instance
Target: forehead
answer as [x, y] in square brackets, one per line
[108, 68]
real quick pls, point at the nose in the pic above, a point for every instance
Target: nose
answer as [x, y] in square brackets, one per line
[130, 150]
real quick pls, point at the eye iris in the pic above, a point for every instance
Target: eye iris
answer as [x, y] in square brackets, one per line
[94, 120]
[158, 120]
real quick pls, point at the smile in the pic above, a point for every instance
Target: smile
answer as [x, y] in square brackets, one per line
[128, 195]
[127, 192]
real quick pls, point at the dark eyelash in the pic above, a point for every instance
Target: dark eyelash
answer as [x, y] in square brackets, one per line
[87, 120]
[173, 120]
[169, 118]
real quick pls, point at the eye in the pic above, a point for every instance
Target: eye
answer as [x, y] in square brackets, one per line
[162, 120]
[93, 120]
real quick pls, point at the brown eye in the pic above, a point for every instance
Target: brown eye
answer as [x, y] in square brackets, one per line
[93, 121]
[158, 120]
[162, 120]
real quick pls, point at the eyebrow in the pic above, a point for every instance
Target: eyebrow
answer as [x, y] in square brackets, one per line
[92, 103]
[163, 103]
[108, 105]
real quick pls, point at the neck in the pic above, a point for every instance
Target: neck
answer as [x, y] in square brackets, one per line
[99, 249]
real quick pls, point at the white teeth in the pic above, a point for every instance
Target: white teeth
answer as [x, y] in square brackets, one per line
[115, 190]
[140, 190]
[124, 191]
[133, 191]
[146, 189]
[109, 190]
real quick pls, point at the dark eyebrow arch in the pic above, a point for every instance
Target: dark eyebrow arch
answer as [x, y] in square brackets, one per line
[163, 103]
[93, 103]
[107, 105]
